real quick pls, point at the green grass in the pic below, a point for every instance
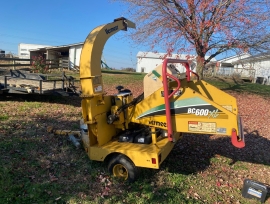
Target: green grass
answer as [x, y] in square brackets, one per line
[29, 156]
[227, 84]
[4, 117]
[110, 79]
[120, 72]
[29, 106]
[240, 166]
[25, 174]
[247, 87]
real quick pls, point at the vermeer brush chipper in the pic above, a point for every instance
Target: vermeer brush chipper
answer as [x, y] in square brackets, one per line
[128, 132]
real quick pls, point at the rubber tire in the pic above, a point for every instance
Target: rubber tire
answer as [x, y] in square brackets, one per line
[127, 163]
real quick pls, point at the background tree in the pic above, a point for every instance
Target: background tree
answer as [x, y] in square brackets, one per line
[201, 27]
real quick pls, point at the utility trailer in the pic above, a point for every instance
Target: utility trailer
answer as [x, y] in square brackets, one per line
[24, 82]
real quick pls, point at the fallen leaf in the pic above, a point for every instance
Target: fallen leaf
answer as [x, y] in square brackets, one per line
[58, 198]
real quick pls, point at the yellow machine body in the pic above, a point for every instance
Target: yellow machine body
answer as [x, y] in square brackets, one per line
[214, 111]
[194, 107]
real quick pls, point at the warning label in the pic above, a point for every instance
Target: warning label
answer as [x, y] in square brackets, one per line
[98, 88]
[228, 107]
[196, 126]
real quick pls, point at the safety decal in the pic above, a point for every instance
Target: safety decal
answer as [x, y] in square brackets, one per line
[221, 130]
[98, 88]
[196, 126]
[228, 107]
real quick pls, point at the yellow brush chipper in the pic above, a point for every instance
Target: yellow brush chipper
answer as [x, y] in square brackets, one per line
[128, 132]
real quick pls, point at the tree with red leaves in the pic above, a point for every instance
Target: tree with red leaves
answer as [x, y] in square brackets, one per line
[201, 27]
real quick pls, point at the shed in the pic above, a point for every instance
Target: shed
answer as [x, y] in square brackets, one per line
[24, 49]
[68, 56]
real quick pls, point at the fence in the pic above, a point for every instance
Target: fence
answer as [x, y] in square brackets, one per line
[244, 73]
[64, 62]
[22, 63]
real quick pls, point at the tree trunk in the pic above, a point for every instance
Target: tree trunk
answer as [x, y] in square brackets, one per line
[200, 66]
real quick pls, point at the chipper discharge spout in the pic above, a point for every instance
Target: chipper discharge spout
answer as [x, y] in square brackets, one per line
[128, 132]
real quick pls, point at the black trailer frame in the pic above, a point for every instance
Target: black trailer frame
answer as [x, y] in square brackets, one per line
[69, 89]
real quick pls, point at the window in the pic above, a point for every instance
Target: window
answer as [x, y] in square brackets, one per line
[23, 49]
[24, 54]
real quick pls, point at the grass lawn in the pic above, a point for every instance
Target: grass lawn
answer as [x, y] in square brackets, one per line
[39, 167]
[237, 86]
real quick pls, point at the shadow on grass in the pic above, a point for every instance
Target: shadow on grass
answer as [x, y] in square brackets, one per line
[193, 153]
[196, 153]
[37, 167]
[70, 100]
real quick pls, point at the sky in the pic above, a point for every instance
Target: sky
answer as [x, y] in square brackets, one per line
[62, 22]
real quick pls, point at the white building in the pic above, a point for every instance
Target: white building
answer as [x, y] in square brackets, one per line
[147, 61]
[234, 58]
[252, 68]
[226, 66]
[68, 56]
[24, 49]
[258, 66]
[255, 68]
[75, 55]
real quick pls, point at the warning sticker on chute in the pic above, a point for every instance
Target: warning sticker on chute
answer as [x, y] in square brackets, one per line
[98, 88]
[196, 126]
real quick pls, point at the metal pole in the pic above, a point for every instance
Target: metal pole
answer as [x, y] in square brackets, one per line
[40, 86]
[13, 64]
[63, 80]
[5, 81]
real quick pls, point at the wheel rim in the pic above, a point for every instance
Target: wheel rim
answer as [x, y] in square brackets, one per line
[120, 171]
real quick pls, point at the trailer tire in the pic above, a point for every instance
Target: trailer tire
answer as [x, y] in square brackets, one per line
[122, 167]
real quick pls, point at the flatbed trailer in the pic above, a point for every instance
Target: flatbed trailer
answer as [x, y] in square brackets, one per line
[24, 82]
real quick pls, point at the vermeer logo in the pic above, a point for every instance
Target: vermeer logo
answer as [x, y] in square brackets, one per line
[111, 29]
[156, 123]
